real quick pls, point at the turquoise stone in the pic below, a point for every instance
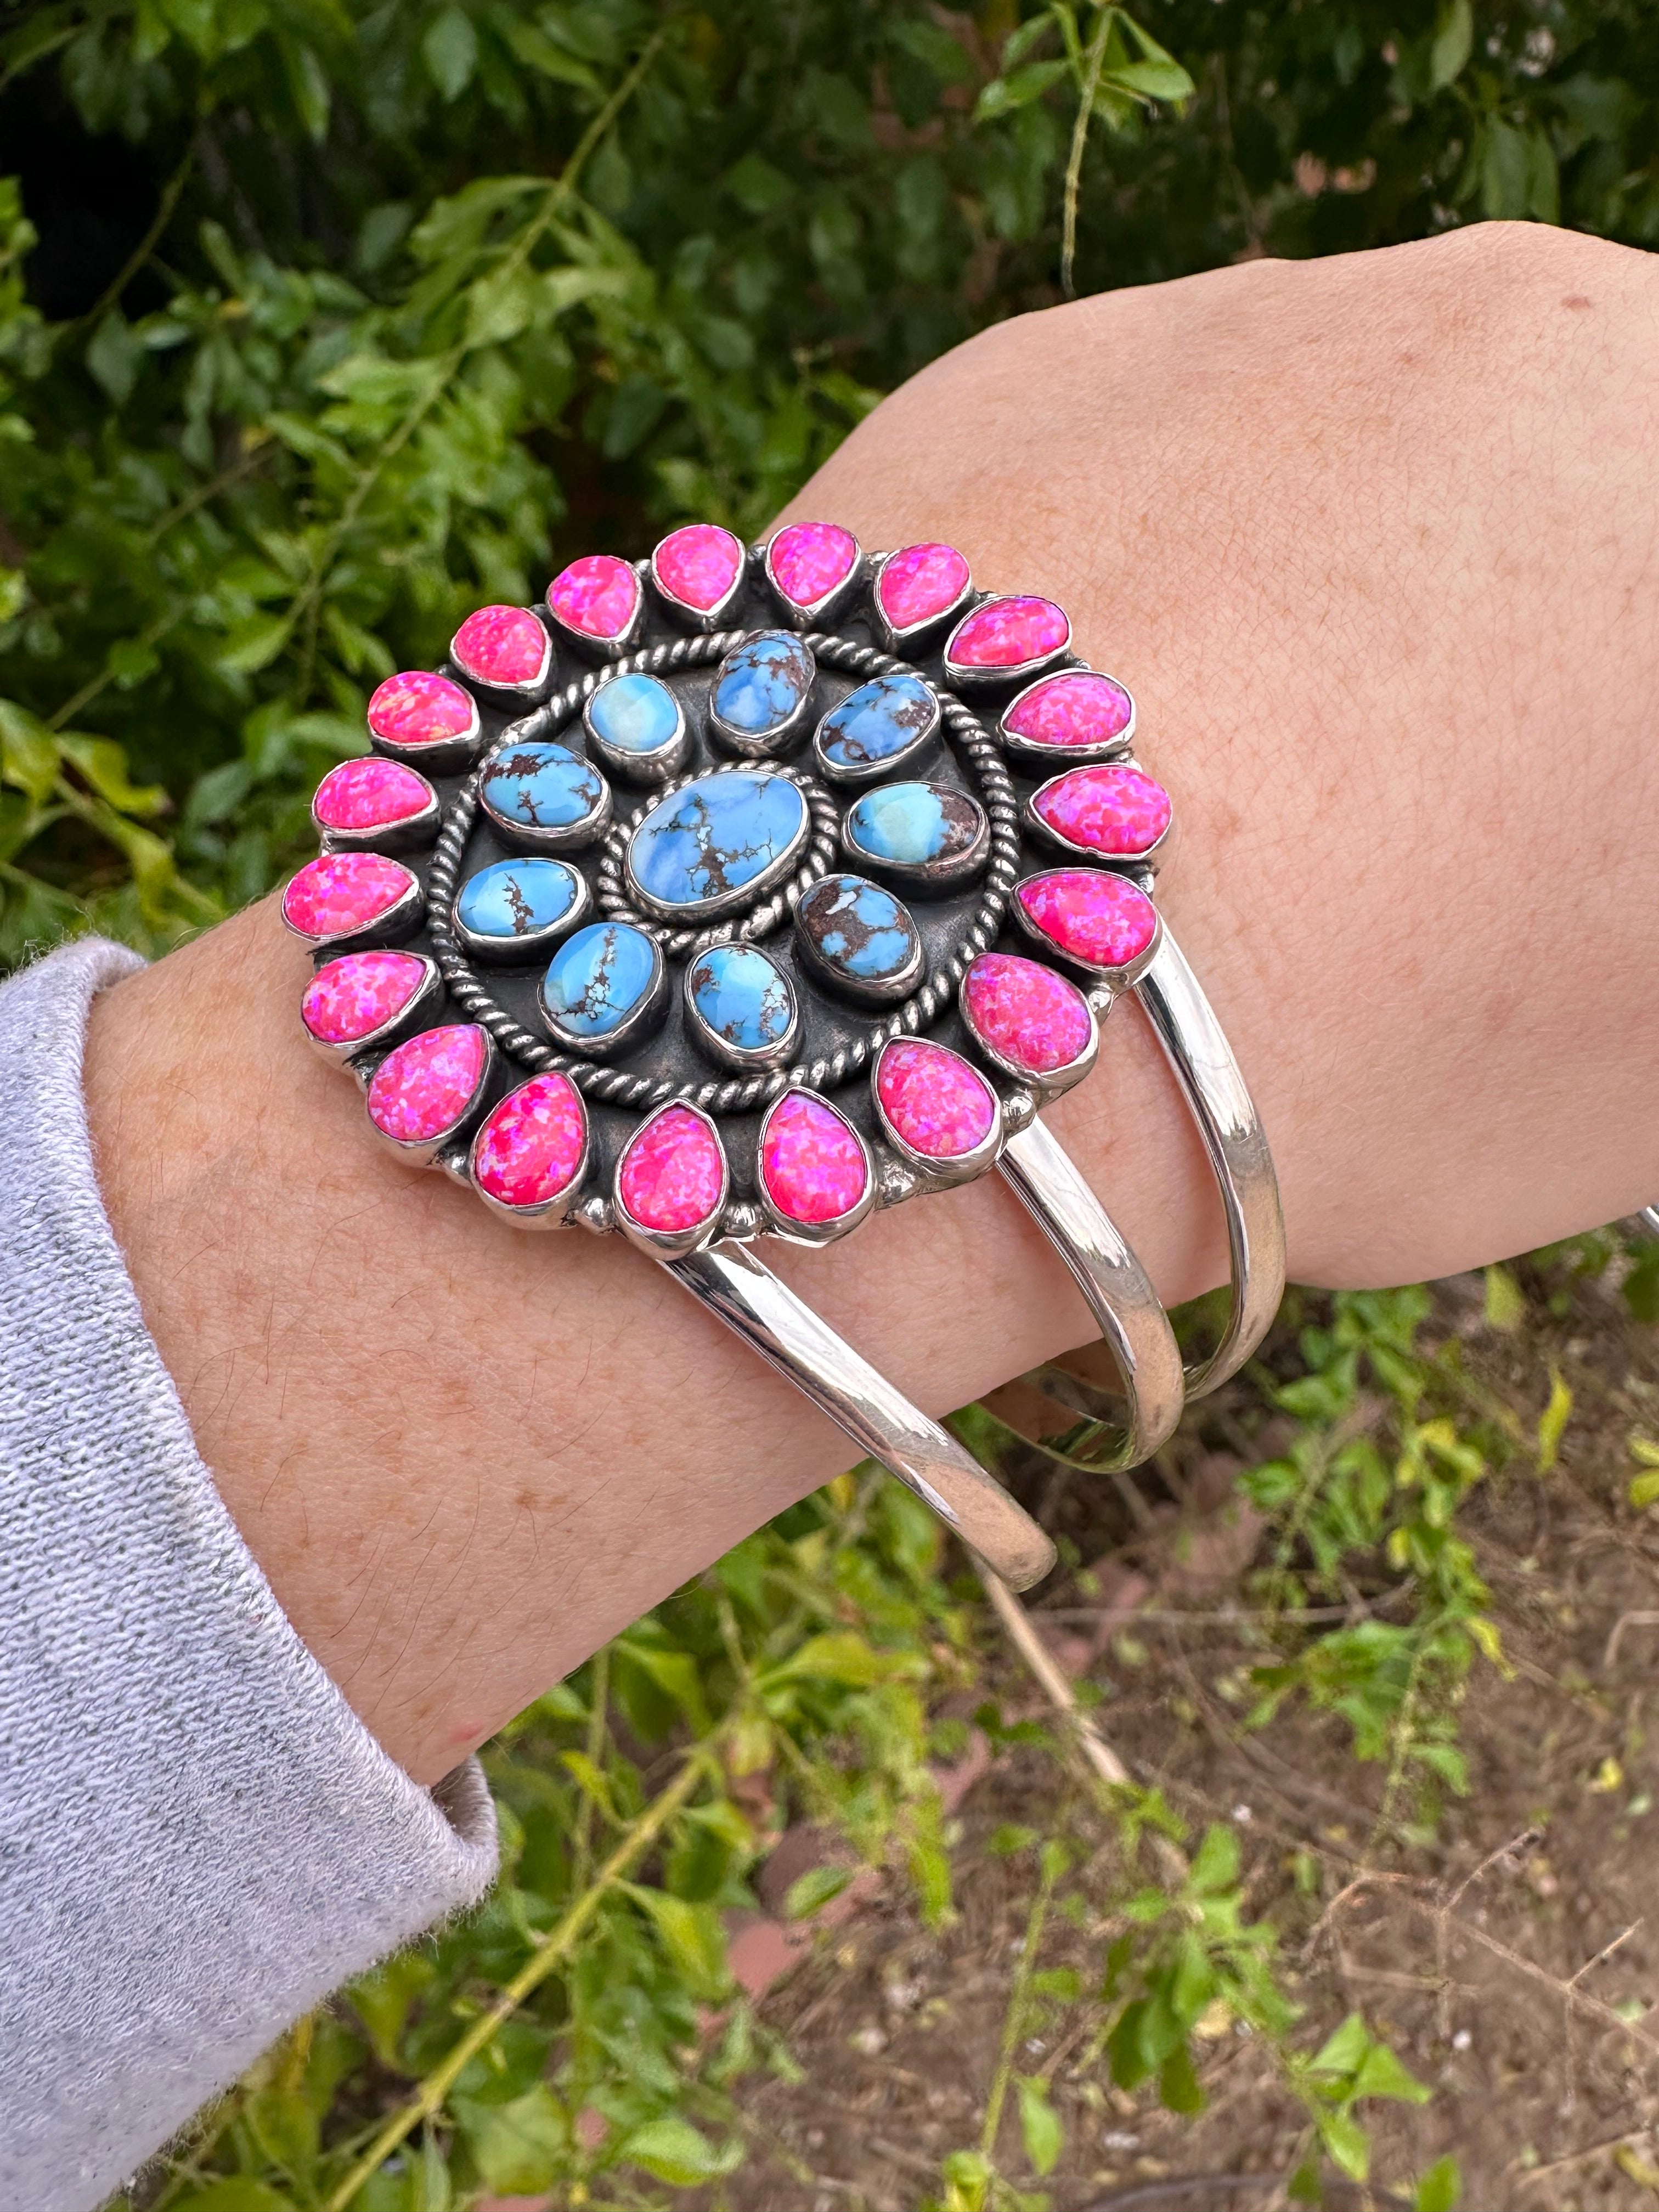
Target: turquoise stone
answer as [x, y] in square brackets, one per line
[760, 689]
[518, 899]
[859, 934]
[914, 825]
[599, 977]
[545, 787]
[717, 842]
[742, 998]
[878, 725]
[634, 715]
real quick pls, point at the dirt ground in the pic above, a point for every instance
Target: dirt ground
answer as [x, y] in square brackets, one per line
[1509, 1962]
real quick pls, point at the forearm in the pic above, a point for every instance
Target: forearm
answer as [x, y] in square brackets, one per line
[1379, 565]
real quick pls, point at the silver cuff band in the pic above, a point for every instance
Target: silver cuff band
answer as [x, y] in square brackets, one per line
[743, 1291]
[1185, 1026]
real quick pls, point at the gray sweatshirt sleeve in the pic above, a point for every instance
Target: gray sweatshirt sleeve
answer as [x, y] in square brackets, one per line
[198, 1839]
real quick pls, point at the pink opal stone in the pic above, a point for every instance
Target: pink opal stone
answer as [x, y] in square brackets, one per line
[501, 645]
[672, 1172]
[1025, 1013]
[1103, 921]
[531, 1147]
[1010, 633]
[697, 565]
[811, 1161]
[342, 893]
[935, 1103]
[371, 793]
[420, 709]
[597, 596]
[358, 994]
[809, 560]
[421, 1089]
[1076, 708]
[1110, 809]
[918, 583]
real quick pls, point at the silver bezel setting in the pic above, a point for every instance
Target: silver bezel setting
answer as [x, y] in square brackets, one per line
[822, 608]
[440, 756]
[1044, 1085]
[520, 951]
[702, 619]
[413, 1014]
[853, 776]
[813, 1232]
[551, 1213]
[1115, 980]
[885, 992]
[1156, 854]
[922, 878]
[644, 1016]
[592, 648]
[407, 834]
[1062, 757]
[537, 837]
[727, 901]
[902, 643]
[939, 1174]
[655, 767]
[391, 927]
[426, 1150]
[720, 1050]
[971, 675]
[671, 1243]
[526, 687]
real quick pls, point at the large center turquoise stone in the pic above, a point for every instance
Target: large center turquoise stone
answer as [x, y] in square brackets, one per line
[718, 841]
[597, 977]
[741, 997]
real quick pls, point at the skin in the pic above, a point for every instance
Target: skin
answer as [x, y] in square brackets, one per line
[1374, 542]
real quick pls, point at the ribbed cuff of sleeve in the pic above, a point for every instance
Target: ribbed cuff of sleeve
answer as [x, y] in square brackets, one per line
[198, 1839]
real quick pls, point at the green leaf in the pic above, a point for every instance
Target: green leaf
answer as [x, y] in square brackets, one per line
[450, 51]
[1506, 1308]
[255, 643]
[1040, 2124]
[1152, 80]
[518, 2146]
[933, 44]
[1440, 2188]
[103, 764]
[1178, 2084]
[114, 355]
[382, 2000]
[1645, 1490]
[691, 1936]
[28, 752]
[840, 1656]
[1344, 2051]
[674, 2151]
[810, 1892]
[1004, 95]
[1454, 42]
[1347, 2143]
[1381, 2074]
[241, 2195]
[1552, 1421]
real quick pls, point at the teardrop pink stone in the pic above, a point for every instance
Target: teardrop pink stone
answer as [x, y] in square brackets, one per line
[421, 1089]
[1027, 1014]
[671, 1172]
[1103, 921]
[1111, 809]
[810, 559]
[1009, 633]
[501, 645]
[596, 596]
[530, 1148]
[371, 793]
[811, 1163]
[918, 583]
[939, 1105]
[358, 994]
[697, 565]
[1076, 708]
[420, 707]
[340, 893]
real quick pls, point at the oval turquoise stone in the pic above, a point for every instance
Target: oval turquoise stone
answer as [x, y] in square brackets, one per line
[517, 899]
[720, 836]
[878, 723]
[742, 996]
[542, 787]
[597, 977]
[761, 686]
[857, 931]
[634, 714]
[914, 825]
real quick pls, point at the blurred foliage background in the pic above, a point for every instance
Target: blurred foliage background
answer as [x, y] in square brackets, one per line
[323, 320]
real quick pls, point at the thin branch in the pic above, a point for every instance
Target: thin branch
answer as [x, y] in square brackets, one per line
[1094, 62]
[1052, 1680]
[140, 254]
